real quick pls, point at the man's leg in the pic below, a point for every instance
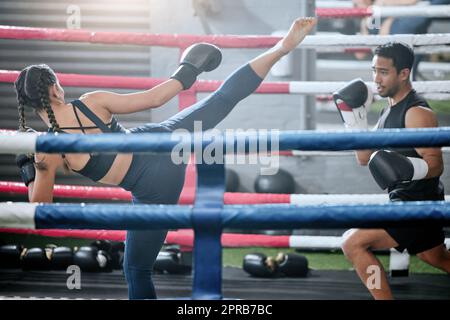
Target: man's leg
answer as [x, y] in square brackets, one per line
[438, 257]
[357, 248]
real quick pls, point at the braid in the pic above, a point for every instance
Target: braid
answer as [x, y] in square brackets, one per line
[42, 84]
[21, 108]
[45, 101]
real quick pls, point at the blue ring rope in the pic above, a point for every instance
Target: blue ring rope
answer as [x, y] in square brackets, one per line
[139, 217]
[288, 140]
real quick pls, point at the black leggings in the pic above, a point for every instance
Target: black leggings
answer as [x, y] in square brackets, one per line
[156, 179]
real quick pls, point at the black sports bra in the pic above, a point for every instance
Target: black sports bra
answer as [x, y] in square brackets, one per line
[99, 163]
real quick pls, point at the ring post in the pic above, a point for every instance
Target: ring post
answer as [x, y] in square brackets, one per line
[306, 71]
[206, 218]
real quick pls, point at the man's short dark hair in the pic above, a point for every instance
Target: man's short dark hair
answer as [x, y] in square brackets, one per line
[401, 54]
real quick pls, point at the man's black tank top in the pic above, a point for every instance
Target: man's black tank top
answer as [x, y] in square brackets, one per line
[394, 117]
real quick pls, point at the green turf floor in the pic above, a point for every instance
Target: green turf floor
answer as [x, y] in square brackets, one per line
[321, 260]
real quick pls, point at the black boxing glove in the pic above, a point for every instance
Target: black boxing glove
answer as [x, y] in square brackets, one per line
[198, 58]
[91, 259]
[353, 102]
[292, 265]
[259, 265]
[389, 168]
[25, 163]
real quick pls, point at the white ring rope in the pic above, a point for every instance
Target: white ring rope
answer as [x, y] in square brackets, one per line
[434, 11]
[297, 153]
[341, 199]
[436, 39]
[18, 215]
[420, 9]
[349, 3]
[320, 87]
[432, 50]
[12, 142]
[417, 50]
[366, 66]
[330, 243]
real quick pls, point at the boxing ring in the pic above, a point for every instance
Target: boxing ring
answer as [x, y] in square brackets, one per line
[210, 210]
[209, 216]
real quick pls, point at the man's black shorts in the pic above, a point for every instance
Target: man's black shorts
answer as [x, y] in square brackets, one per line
[416, 239]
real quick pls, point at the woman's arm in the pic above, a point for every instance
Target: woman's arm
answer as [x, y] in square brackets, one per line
[41, 190]
[134, 102]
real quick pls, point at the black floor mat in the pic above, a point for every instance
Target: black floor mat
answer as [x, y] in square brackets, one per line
[319, 285]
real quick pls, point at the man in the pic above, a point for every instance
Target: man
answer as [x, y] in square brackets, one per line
[410, 174]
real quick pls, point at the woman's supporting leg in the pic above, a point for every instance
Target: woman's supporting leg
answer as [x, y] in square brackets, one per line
[243, 82]
[141, 250]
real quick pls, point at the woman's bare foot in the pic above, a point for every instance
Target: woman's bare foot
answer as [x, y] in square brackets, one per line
[300, 28]
[298, 31]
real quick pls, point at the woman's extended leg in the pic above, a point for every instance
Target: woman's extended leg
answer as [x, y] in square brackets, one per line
[243, 82]
[300, 28]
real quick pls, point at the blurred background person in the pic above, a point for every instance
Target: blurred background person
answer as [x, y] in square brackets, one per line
[399, 25]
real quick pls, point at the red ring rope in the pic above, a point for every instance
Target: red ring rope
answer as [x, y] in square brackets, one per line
[344, 12]
[95, 81]
[135, 38]
[184, 238]
[118, 194]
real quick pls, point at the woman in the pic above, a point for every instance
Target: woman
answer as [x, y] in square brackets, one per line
[38, 87]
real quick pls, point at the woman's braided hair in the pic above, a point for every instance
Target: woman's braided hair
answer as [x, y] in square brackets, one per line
[21, 107]
[32, 91]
